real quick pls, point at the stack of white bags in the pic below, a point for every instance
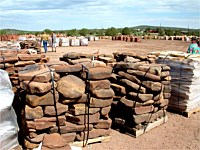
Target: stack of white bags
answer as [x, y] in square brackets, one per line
[185, 73]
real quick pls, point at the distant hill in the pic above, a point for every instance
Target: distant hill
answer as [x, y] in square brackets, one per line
[143, 27]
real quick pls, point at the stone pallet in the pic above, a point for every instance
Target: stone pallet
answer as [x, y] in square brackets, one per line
[138, 132]
[142, 91]
[72, 105]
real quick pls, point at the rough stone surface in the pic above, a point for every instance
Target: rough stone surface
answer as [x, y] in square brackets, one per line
[118, 88]
[35, 87]
[61, 120]
[153, 86]
[33, 113]
[53, 141]
[81, 109]
[133, 85]
[68, 68]
[103, 124]
[102, 84]
[105, 110]
[82, 119]
[39, 125]
[37, 139]
[143, 109]
[98, 73]
[95, 102]
[42, 75]
[71, 86]
[140, 97]
[82, 99]
[103, 93]
[50, 110]
[70, 127]
[69, 137]
[129, 77]
[47, 99]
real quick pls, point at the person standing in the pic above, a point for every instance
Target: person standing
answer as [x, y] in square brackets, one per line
[193, 47]
[44, 40]
[53, 38]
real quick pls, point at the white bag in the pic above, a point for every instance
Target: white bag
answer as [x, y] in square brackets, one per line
[8, 119]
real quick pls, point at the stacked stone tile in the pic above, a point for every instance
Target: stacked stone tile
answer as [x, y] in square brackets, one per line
[14, 60]
[142, 92]
[79, 115]
[185, 72]
[30, 44]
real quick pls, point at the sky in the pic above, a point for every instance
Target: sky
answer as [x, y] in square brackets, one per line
[37, 15]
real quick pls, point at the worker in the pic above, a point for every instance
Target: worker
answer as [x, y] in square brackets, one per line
[53, 38]
[44, 40]
[193, 47]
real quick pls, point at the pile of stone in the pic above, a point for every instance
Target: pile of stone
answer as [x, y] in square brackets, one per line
[142, 93]
[185, 73]
[89, 60]
[30, 44]
[73, 104]
[13, 60]
[134, 58]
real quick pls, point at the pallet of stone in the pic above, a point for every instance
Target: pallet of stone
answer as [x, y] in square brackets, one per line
[67, 109]
[185, 74]
[13, 61]
[142, 91]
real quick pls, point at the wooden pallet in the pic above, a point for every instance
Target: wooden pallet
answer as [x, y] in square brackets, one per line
[188, 114]
[102, 139]
[137, 132]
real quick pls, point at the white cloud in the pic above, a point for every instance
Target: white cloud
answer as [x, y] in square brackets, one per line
[67, 14]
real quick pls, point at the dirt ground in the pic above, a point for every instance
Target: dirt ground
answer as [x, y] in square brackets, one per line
[178, 133]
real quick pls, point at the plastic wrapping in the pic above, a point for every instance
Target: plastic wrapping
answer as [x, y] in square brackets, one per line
[8, 119]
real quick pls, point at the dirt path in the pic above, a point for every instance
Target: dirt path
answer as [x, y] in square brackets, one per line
[177, 133]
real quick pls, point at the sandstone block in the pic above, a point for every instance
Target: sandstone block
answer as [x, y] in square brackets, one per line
[153, 86]
[35, 87]
[143, 109]
[71, 86]
[105, 110]
[61, 120]
[50, 110]
[129, 77]
[133, 85]
[81, 109]
[103, 93]
[82, 119]
[47, 99]
[95, 102]
[103, 124]
[101, 84]
[98, 73]
[69, 137]
[68, 68]
[70, 127]
[140, 97]
[118, 88]
[33, 113]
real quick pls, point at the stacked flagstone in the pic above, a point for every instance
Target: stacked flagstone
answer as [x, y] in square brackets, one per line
[133, 58]
[185, 73]
[14, 60]
[30, 44]
[89, 60]
[142, 92]
[79, 115]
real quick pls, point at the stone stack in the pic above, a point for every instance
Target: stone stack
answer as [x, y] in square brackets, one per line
[13, 60]
[133, 58]
[185, 73]
[142, 93]
[30, 44]
[82, 103]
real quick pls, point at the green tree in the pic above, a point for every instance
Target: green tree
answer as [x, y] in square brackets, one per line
[72, 32]
[126, 31]
[161, 31]
[177, 32]
[111, 32]
[169, 32]
[83, 32]
[48, 31]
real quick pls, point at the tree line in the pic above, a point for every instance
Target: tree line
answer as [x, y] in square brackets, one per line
[110, 31]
